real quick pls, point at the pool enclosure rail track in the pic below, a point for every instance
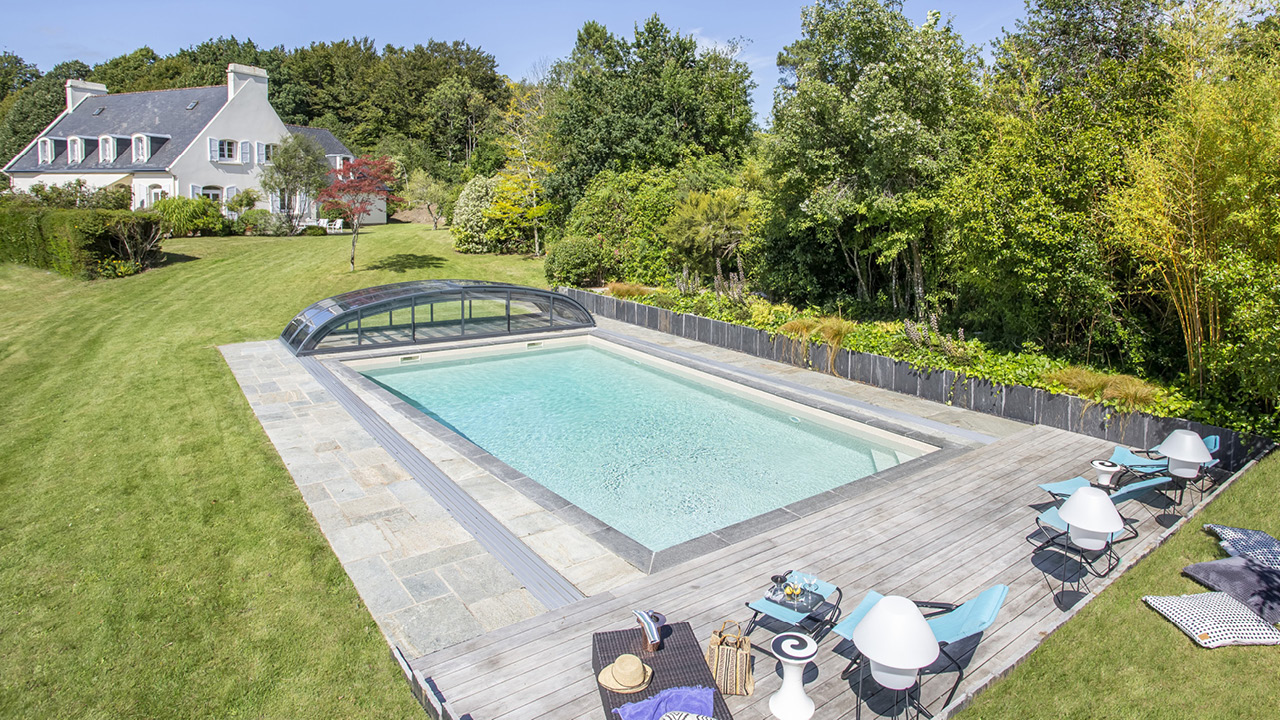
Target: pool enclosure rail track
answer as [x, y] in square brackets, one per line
[542, 581]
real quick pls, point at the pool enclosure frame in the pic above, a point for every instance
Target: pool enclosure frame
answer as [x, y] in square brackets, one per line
[427, 311]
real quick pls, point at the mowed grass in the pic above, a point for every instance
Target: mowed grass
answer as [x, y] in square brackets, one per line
[156, 559]
[1119, 659]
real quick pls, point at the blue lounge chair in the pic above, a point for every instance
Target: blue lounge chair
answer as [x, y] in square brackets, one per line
[1054, 529]
[1063, 488]
[1150, 462]
[950, 624]
[816, 622]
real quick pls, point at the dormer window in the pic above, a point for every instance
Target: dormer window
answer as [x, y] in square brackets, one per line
[44, 151]
[106, 149]
[75, 150]
[141, 148]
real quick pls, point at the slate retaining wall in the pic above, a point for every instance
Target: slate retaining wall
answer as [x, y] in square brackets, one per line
[1017, 402]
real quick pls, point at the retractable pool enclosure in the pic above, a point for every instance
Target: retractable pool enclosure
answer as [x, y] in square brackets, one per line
[425, 311]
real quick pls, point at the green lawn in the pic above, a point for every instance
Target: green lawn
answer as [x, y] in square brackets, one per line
[1119, 659]
[156, 559]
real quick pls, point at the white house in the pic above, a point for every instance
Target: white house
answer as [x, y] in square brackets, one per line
[189, 142]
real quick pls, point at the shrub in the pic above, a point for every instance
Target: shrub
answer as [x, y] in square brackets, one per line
[191, 216]
[78, 194]
[577, 261]
[314, 231]
[113, 268]
[251, 222]
[69, 242]
[1081, 381]
[135, 238]
[244, 201]
[470, 227]
[628, 290]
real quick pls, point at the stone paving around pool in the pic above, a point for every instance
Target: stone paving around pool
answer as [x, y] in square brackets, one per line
[425, 580]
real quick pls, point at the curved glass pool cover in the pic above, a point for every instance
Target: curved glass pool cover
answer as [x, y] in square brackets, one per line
[424, 311]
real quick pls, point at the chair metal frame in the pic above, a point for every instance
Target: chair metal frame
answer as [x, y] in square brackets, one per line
[936, 609]
[816, 624]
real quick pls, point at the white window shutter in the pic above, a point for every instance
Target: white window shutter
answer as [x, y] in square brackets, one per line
[213, 149]
[195, 191]
[262, 153]
[232, 190]
[246, 152]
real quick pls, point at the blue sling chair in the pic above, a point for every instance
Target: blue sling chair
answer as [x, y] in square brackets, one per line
[949, 623]
[1062, 490]
[1099, 563]
[1148, 463]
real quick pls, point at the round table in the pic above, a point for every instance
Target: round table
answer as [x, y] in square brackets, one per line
[794, 650]
[1107, 472]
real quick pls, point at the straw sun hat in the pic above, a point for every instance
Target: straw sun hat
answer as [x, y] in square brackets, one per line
[626, 675]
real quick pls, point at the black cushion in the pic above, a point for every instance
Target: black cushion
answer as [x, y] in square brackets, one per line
[1256, 586]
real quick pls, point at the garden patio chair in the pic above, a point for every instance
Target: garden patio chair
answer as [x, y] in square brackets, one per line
[1062, 490]
[336, 225]
[323, 223]
[1151, 462]
[950, 624]
[816, 617]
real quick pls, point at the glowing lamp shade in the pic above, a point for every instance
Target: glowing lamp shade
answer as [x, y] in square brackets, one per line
[1091, 518]
[1186, 452]
[897, 641]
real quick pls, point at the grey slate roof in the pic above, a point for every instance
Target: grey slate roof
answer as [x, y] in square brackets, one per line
[156, 112]
[331, 144]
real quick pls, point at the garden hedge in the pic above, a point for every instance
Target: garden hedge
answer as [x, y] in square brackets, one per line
[69, 242]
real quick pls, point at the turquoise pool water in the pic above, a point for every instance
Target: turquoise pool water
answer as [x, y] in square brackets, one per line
[660, 458]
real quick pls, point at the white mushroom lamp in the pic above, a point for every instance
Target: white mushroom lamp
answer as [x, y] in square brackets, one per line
[1186, 452]
[1091, 518]
[896, 641]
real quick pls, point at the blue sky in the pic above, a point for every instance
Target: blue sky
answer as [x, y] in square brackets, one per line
[518, 34]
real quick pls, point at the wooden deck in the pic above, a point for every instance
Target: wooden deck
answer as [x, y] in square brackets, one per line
[945, 533]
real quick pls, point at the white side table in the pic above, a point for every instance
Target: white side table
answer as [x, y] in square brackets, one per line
[1107, 472]
[794, 650]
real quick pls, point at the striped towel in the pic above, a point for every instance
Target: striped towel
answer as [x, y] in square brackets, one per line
[650, 627]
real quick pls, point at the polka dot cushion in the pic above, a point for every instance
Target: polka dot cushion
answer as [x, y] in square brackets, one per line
[1253, 544]
[1214, 619]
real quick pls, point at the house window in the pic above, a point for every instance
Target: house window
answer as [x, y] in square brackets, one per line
[75, 150]
[106, 149]
[227, 150]
[141, 148]
[269, 152]
[44, 151]
[213, 192]
[154, 195]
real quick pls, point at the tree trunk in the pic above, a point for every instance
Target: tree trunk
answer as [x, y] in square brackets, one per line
[917, 278]
[355, 232]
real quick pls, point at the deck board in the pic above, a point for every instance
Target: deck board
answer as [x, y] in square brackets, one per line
[944, 533]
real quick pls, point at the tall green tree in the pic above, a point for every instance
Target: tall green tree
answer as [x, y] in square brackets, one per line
[647, 103]
[1202, 215]
[15, 74]
[297, 173]
[35, 106]
[873, 117]
[1072, 89]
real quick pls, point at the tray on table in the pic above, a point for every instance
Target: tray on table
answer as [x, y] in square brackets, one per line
[680, 662]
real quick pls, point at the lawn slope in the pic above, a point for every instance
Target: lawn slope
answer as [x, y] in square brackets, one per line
[156, 559]
[1119, 659]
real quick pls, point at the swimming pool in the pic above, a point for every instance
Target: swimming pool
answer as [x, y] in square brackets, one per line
[660, 452]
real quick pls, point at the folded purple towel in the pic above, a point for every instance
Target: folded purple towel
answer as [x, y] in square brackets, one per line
[696, 700]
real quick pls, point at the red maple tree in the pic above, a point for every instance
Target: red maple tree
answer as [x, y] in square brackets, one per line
[355, 188]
